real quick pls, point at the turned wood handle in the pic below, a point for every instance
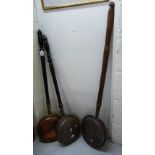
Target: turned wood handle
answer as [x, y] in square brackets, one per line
[110, 23]
[52, 70]
[40, 39]
[42, 58]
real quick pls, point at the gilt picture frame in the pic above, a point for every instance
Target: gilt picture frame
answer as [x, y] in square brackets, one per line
[56, 4]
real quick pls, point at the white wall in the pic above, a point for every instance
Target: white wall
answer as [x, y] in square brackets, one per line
[76, 36]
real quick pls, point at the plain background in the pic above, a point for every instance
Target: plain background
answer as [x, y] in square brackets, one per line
[16, 68]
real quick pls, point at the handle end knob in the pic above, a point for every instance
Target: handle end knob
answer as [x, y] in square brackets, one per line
[111, 4]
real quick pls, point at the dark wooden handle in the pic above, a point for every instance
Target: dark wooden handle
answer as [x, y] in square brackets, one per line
[42, 58]
[40, 39]
[52, 70]
[110, 23]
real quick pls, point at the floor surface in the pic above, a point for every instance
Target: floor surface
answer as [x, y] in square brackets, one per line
[79, 147]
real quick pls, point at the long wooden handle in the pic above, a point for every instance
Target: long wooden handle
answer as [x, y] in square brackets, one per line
[42, 58]
[52, 70]
[110, 23]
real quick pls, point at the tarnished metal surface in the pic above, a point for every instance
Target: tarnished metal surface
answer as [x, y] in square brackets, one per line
[68, 129]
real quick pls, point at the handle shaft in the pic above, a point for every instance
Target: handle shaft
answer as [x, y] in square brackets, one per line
[42, 58]
[110, 23]
[52, 70]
